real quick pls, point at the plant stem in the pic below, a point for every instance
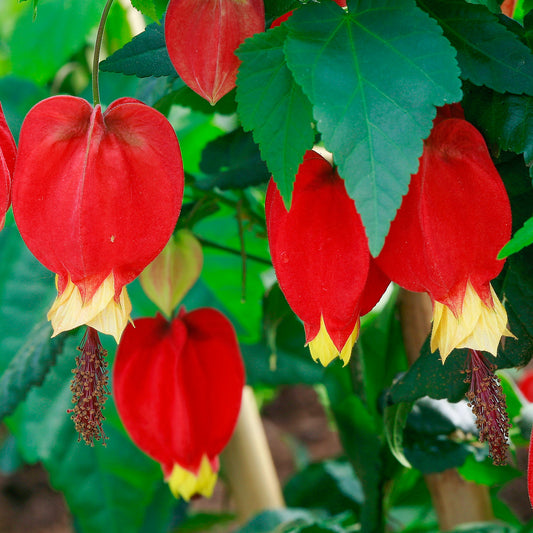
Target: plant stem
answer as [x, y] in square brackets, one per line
[211, 244]
[96, 56]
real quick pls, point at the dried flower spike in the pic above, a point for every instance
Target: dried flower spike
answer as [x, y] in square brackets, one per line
[89, 389]
[487, 400]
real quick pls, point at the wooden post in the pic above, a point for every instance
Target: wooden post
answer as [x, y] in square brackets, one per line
[248, 464]
[456, 500]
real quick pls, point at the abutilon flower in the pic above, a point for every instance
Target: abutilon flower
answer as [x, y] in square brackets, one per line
[8, 154]
[202, 36]
[173, 272]
[320, 253]
[178, 389]
[447, 234]
[96, 197]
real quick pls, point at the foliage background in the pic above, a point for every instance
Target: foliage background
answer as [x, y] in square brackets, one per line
[417, 55]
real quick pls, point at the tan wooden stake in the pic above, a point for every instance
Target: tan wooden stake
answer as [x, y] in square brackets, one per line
[248, 465]
[456, 500]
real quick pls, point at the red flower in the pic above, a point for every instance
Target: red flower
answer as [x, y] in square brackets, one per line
[320, 253]
[447, 234]
[178, 389]
[525, 384]
[96, 197]
[202, 36]
[8, 153]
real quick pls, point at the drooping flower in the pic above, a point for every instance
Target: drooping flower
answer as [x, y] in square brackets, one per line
[202, 36]
[96, 197]
[178, 389]
[447, 234]
[319, 250]
[8, 153]
[173, 272]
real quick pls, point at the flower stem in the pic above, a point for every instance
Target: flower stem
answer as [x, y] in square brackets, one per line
[96, 56]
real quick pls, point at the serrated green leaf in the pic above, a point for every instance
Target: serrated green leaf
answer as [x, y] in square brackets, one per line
[487, 52]
[522, 238]
[273, 107]
[373, 75]
[146, 7]
[29, 367]
[395, 418]
[145, 55]
[40, 47]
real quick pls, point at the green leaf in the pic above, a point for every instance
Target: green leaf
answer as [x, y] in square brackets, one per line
[395, 418]
[373, 75]
[274, 107]
[146, 7]
[26, 293]
[361, 439]
[145, 55]
[486, 473]
[40, 47]
[29, 367]
[522, 238]
[106, 488]
[427, 444]
[232, 161]
[272, 520]
[181, 94]
[330, 485]
[276, 8]
[487, 52]
[506, 120]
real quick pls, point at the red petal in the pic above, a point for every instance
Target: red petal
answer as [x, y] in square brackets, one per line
[454, 220]
[376, 284]
[8, 153]
[95, 194]
[319, 249]
[202, 37]
[178, 386]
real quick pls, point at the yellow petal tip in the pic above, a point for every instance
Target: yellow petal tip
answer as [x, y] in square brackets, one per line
[101, 312]
[185, 484]
[478, 327]
[323, 349]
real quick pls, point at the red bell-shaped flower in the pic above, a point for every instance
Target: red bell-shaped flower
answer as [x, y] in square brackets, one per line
[96, 197]
[178, 389]
[8, 153]
[319, 250]
[202, 36]
[447, 234]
